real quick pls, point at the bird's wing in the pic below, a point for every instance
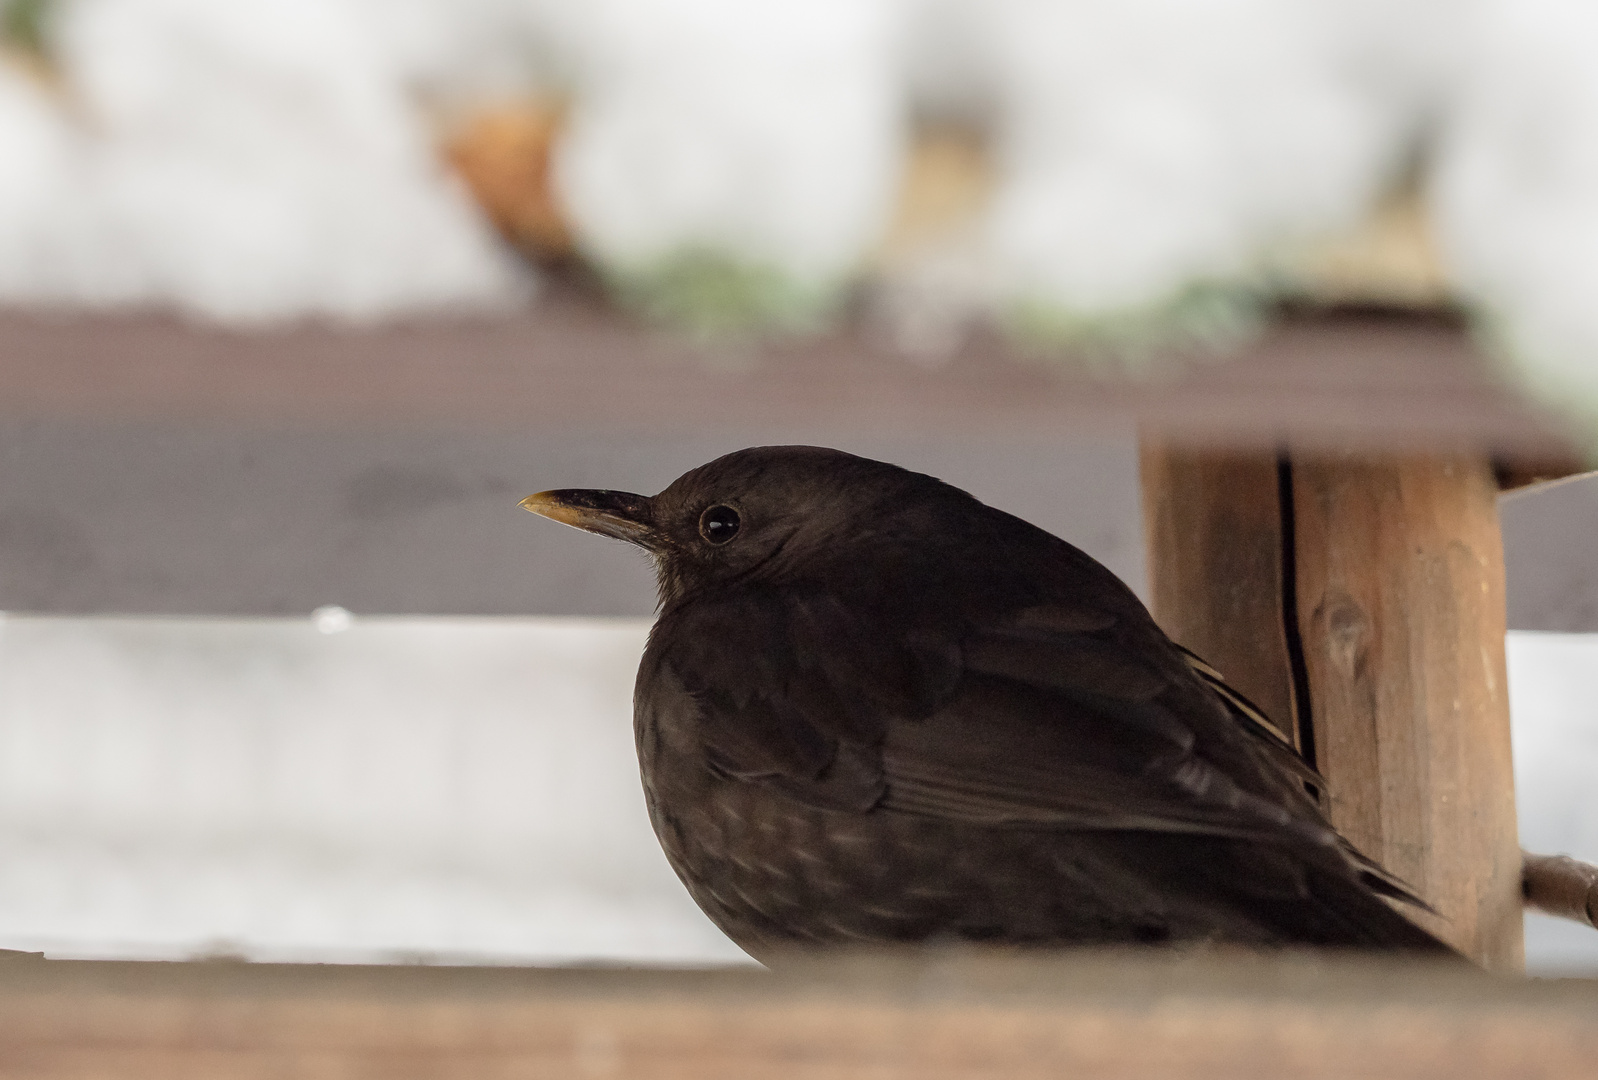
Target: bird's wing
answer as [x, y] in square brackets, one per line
[1283, 750]
[1103, 727]
[1244, 711]
[1049, 716]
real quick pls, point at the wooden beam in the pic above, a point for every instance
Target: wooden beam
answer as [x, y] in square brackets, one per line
[572, 365]
[1381, 632]
[1182, 1016]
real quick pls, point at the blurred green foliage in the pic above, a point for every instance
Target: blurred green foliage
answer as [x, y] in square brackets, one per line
[22, 23]
[1204, 318]
[711, 297]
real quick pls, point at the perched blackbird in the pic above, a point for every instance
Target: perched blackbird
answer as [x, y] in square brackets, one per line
[873, 710]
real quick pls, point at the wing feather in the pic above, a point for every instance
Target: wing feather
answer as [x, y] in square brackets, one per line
[1047, 717]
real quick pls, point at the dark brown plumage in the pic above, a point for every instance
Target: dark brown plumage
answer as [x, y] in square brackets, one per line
[875, 710]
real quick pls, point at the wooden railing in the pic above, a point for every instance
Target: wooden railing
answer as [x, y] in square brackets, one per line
[1198, 1015]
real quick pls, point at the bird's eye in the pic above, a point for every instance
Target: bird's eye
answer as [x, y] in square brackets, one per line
[719, 524]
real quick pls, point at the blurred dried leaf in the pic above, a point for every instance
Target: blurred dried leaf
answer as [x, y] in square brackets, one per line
[503, 154]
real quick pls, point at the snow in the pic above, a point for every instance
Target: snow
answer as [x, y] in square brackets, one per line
[1143, 154]
[401, 789]
[767, 134]
[361, 789]
[241, 162]
[1553, 696]
[1517, 189]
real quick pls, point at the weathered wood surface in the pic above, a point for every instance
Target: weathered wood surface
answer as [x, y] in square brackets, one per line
[1401, 604]
[1203, 1016]
[1213, 532]
[571, 365]
[1398, 608]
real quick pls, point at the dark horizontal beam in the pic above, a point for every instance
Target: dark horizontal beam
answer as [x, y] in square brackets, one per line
[205, 518]
[570, 364]
[211, 519]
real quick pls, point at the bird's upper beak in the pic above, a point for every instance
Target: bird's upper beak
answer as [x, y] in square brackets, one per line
[610, 513]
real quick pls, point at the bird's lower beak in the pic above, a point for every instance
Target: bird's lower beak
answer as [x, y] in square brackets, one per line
[620, 514]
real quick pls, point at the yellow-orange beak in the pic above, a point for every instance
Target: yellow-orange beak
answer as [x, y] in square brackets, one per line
[620, 514]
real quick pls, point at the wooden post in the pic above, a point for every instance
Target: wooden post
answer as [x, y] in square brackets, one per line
[1401, 601]
[1382, 623]
[1214, 528]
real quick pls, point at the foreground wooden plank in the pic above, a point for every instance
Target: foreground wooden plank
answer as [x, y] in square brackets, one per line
[1210, 1016]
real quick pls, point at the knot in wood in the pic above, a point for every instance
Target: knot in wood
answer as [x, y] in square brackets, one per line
[1348, 631]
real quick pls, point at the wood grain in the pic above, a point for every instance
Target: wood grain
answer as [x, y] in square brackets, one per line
[1133, 1015]
[1399, 612]
[1401, 599]
[1213, 528]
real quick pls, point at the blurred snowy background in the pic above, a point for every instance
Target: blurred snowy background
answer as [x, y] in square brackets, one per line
[1126, 176]
[1129, 174]
[1553, 700]
[437, 790]
[426, 789]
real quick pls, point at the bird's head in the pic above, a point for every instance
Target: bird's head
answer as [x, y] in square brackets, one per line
[765, 514]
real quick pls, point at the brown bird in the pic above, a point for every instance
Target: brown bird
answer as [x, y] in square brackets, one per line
[874, 710]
